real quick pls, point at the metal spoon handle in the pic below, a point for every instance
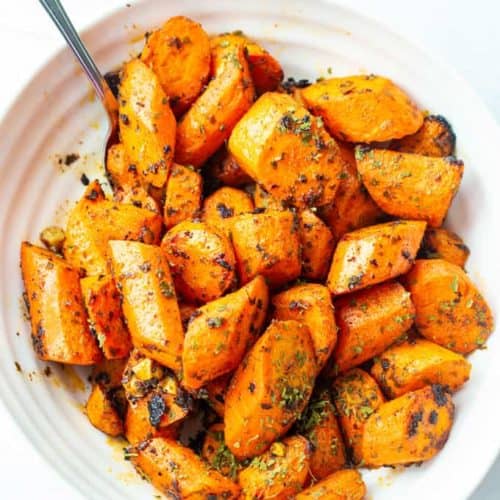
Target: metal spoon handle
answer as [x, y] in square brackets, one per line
[65, 26]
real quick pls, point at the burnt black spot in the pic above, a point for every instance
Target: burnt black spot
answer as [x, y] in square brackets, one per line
[93, 195]
[406, 254]
[433, 417]
[385, 364]
[224, 211]
[69, 159]
[167, 149]
[84, 180]
[156, 409]
[113, 80]
[222, 262]
[415, 420]
[439, 394]
[124, 119]
[251, 387]
[266, 406]
[291, 83]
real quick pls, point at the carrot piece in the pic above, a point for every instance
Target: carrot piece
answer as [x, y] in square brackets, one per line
[215, 393]
[138, 428]
[310, 304]
[147, 124]
[179, 472]
[217, 454]
[352, 208]
[208, 123]
[263, 200]
[363, 108]
[102, 414]
[59, 327]
[414, 364]
[103, 305]
[156, 400]
[410, 186]
[94, 221]
[258, 245]
[149, 302]
[408, 429]
[127, 187]
[179, 53]
[369, 322]
[342, 485]
[263, 399]
[374, 254]
[266, 71]
[223, 167]
[434, 138]
[449, 309]
[318, 424]
[201, 259]
[356, 396]
[440, 243]
[317, 245]
[288, 151]
[223, 204]
[221, 332]
[280, 473]
[183, 195]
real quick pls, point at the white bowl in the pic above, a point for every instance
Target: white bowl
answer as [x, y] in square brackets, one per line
[55, 116]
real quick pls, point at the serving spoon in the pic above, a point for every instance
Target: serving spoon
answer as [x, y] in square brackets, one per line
[101, 87]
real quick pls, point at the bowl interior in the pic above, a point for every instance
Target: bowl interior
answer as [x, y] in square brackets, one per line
[56, 115]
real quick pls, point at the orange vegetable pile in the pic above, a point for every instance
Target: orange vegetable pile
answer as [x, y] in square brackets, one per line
[265, 266]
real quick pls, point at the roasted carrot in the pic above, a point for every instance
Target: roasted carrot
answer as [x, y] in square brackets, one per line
[449, 309]
[266, 71]
[59, 326]
[125, 179]
[183, 195]
[440, 243]
[179, 472]
[288, 151]
[356, 396]
[310, 304]
[317, 245]
[410, 186]
[95, 220]
[413, 364]
[434, 138]
[341, 485]
[217, 454]
[223, 204]
[103, 304]
[318, 424]
[258, 246]
[374, 254]
[219, 335]
[279, 473]
[409, 429]
[363, 108]
[147, 124]
[263, 200]
[179, 53]
[369, 322]
[102, 414]
[149, 301]
[209, 122]
[352, 208]
[201, 260]
[270, 389]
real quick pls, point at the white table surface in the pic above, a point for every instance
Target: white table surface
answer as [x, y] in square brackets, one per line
[463, 32]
